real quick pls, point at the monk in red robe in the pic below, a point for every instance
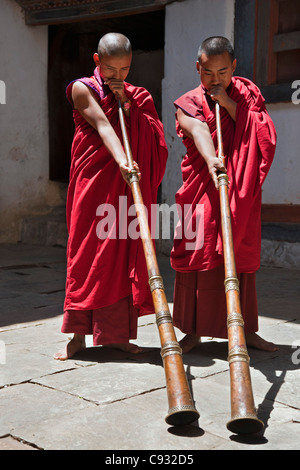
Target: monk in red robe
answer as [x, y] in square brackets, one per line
[249, 139]
[107, 281]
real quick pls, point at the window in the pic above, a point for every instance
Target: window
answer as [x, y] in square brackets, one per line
[268, 32]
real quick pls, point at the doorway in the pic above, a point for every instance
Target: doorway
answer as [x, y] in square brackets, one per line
[71, 48]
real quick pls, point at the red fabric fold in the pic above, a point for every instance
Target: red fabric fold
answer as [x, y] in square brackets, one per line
[249, 147]
[100, 272]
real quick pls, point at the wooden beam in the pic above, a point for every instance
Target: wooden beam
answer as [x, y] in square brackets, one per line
[244, 38]
[281, 213]
[45, 12]
[262, 40]
[286, 41]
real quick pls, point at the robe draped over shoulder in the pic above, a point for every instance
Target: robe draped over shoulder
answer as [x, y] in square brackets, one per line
[249, 147]
[104, 263]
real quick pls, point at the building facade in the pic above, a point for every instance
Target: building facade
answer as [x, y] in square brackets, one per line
[44, 45]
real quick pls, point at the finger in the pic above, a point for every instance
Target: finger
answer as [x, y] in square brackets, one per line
[216, 181]
[220, 166]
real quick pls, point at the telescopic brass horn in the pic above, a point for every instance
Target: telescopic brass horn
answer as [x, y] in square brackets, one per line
[181, 407]
[243, 414]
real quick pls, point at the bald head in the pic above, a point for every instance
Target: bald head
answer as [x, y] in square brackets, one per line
[216, 45]
[114, 44]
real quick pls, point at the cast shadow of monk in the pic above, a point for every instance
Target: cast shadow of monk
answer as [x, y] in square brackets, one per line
[150, 356]
[208, 359]
[273, 367]
[99, 354]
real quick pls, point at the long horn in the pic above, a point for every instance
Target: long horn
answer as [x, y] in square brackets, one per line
[243, 413]
[181, 407]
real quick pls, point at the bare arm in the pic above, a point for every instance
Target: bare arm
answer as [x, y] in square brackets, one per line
[88, 107]
[200, 133]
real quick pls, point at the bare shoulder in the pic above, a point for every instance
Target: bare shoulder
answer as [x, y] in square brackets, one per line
[189, 124]
[79, 89]
[82, 96]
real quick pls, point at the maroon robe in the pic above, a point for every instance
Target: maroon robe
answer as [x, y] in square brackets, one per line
[249, 147]
[103, 270]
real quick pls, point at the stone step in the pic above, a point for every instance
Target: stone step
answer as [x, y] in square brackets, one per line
[280, 246]
[46, 230]
[280, 242]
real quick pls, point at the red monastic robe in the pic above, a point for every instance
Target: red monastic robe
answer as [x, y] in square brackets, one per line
[104, 264]
[249, 147]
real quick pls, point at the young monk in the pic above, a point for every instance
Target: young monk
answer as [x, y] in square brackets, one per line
[249, 140]
[107, 281]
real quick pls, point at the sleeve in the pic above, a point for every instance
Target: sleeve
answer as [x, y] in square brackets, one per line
[259, 127]
[87, 81]
[252, 155]
[69, 93]
[147, 135]
[191, 104]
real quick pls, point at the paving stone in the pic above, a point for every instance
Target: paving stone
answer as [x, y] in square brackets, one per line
[105, 399]
[9, 443]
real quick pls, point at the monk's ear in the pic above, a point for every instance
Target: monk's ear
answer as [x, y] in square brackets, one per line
[198, 66]
[96, 59]
[233, 66]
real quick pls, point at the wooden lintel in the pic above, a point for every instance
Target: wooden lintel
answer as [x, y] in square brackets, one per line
[55, 12]
[281, 213]
[286, 42]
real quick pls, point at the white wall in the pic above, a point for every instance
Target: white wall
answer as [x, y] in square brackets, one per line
[25, 188]
[188, 23]
[24, 143]
[282, 184]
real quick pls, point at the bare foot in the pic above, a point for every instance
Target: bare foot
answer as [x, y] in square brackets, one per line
[189, 342]
[75, 345]
[127, 347]
[255, 341]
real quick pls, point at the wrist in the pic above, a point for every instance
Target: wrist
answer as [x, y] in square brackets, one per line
[209, 159]
[122, 162]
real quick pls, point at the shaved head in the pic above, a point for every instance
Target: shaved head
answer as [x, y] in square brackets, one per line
[216, 45]
[114, 44]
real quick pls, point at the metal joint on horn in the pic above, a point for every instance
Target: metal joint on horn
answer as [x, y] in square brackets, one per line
[244, 416]
[175, 409]
[231, 283]
[237, 354]
[223, 179]
[156, 282]
[133, 176]
[235, 319]
[163, 317]
[170, 347]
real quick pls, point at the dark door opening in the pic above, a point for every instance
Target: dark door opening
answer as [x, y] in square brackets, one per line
[71, 48]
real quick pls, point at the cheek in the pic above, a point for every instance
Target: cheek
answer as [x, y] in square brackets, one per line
[206, 81]
[227, 81]
[204, 78]
[103, 74]
[124, 75]
[106, 74]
